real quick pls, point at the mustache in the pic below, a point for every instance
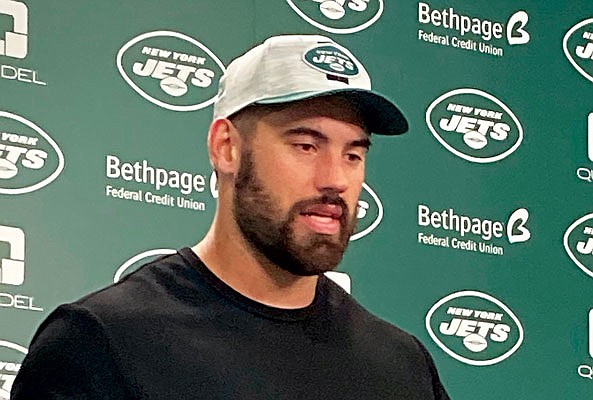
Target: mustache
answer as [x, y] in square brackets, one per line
[329, 198]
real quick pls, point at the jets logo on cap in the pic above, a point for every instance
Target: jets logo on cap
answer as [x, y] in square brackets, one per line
[332, 60]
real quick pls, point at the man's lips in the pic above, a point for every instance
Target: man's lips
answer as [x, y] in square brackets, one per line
[323, 218]
[324, 210]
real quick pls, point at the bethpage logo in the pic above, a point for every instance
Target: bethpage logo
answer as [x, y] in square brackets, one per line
[12, 268]
[585, 174]
[451, 28]
[11, 357]
[171, 70]
[166, 187]
[29, 158]
[474, 328]
[578, 243]
[138, 260]
[578, 47]
[338, 16]
[474, 125]
[470, 233]
[14, 42]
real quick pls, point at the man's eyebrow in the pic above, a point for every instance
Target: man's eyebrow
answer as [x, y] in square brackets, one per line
[366, 143]
[363, 142]
[303, 131]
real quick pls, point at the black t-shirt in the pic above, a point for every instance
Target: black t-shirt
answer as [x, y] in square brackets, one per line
[173, 330]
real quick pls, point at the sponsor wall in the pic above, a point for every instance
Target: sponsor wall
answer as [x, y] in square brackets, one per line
[475, 229]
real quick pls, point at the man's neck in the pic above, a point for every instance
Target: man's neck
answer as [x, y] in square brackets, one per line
[228, 256]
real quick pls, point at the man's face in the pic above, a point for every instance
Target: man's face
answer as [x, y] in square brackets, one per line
[297, 189]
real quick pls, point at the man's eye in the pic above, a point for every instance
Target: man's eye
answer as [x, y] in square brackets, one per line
[305, 146]
[354, 157]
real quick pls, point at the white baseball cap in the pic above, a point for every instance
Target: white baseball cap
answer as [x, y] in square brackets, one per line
[297, 67]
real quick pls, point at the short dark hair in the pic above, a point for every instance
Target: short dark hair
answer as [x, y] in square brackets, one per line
[246, 118]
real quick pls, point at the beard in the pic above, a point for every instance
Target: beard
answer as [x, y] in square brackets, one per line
[270, 232]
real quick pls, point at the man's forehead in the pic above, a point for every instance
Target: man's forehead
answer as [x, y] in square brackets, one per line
[335, 107]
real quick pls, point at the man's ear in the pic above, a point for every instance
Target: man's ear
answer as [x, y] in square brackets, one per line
[224, 144]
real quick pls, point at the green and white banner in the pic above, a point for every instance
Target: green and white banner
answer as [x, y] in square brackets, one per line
[475, 228]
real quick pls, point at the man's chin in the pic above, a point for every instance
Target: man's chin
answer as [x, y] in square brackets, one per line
[307, 237]
[323, 256]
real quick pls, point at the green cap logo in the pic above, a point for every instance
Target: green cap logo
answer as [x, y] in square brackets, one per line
[474, 125]
[338, 16]
[330, 59]
[474, 328]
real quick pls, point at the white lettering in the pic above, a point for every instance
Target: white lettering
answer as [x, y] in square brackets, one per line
[449, 220]
[449, 19]
[142, 172]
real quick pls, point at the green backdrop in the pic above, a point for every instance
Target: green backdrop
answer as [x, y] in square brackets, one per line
[475, 228]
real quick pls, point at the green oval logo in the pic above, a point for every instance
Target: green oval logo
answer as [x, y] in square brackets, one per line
[474, 125]
[578, 243]
[339, 16]
[171, 70]
[11, 357]
[29, 158]
[332, 60]
[474, 328]
[578, 47]
[369, 213]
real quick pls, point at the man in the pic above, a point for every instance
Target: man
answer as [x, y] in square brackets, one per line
[247, 313]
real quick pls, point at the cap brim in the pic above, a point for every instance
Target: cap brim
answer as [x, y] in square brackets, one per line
[380, 114]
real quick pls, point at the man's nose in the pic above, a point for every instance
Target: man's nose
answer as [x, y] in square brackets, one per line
[331, 173]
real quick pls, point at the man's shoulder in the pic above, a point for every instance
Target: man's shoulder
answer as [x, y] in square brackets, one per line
[149, 286]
